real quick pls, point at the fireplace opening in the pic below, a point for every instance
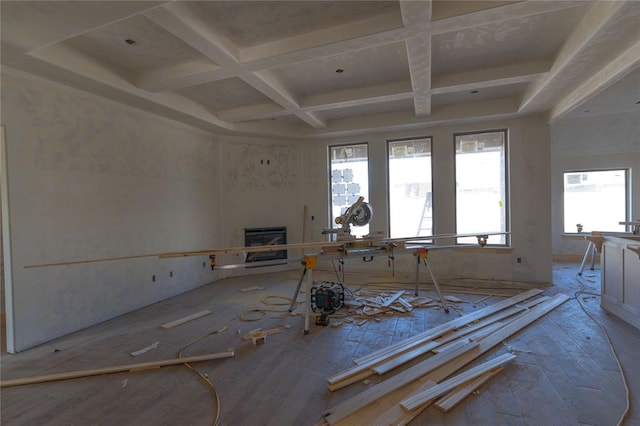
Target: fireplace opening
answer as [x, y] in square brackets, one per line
[276, 235]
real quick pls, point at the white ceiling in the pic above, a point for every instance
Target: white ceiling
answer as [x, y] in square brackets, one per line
[270, 67]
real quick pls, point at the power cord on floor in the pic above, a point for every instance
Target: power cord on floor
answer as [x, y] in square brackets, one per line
[613, 351]
[204, 377]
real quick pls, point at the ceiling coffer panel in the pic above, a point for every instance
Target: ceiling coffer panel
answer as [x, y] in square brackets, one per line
[250, 23]
[534, 38]
[360, 68]
[134, 46]
[225, 94]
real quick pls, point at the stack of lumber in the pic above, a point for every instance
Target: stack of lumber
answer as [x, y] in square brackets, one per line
[456, 343]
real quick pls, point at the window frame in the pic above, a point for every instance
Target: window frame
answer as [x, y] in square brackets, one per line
[433, 217]
[507, 187]
[330, 222]
[627, 194]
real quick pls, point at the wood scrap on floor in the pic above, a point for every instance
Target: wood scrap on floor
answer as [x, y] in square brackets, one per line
[381, 403]
[269, 332]
[183, 320]
[145, 349]
[254, 288]
[424, 397]
[117, 369]
[453, 398]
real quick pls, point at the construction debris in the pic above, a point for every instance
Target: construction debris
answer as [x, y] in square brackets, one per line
[254, 288]
[188, 318]
[400, 398]
[145, 349]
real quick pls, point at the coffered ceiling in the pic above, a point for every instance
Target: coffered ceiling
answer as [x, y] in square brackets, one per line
[309, 69]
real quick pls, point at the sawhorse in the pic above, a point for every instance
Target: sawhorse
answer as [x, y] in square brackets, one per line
[309, 263]
[422, 255]
[591, 250]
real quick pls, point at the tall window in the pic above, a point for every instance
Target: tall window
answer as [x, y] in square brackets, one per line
[349, 180]
[481, 185]
[410, 200]
[595, 200]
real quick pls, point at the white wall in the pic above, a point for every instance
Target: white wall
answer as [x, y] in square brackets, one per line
[598, 142]
[530, 195]
[89, 178]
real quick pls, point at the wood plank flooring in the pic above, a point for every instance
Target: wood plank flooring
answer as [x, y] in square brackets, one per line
[565, 373]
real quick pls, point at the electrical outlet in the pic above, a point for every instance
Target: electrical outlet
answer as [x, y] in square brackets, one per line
[171, 274]
[519, 259]
[204, 265]
[153, 278]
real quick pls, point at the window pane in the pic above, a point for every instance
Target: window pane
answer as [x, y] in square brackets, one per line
[349, 180]
[597, 200]
[410, 200]
[481, 185]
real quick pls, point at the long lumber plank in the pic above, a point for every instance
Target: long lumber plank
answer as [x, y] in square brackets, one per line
[398, 381]
[453, 398]
[369, 242]
[442, 388]
[109, 370]
[451, 325]
[473, 332]
[342, 379]
[383, 407]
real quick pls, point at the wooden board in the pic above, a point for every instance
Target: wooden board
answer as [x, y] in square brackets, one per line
[109, 370]
[188, 318]
[370, 395]
[453, 398]
[360, 243]
[440, 389]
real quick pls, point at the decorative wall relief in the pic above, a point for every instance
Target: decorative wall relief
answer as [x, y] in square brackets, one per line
[261, 167]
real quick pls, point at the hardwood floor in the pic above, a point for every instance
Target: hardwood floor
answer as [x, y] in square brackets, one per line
[565, 372]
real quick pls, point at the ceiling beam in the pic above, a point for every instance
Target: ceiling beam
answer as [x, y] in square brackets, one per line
[500, 14]
[444, 83]
[613, 71]
[489, 77]
[180, 21]
[593, 23]
[253, 112]
[358, 96]
[401, 121]
[417, 16]
[93, 76]
[177, 76]
[270, 86]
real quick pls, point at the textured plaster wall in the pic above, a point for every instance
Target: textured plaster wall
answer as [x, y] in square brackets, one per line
[261, 187]
[89, 178]
[530, 194]
[599, 142]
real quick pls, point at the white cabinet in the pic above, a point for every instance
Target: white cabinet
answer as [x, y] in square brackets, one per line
[620, 260]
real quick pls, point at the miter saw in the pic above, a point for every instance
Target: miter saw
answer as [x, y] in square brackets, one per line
[358, 214]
